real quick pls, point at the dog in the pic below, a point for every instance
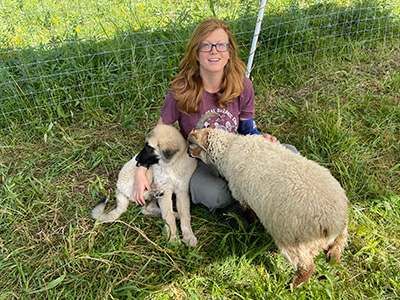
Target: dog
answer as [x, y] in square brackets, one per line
[169, 174]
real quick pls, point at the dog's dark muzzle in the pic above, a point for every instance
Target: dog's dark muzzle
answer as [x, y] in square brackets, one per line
[147, 156]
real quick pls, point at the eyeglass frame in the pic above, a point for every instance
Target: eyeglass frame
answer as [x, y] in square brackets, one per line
[214, 45]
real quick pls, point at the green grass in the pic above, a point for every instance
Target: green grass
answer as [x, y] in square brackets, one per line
[56, 73]
[339, 106]
[343, 113]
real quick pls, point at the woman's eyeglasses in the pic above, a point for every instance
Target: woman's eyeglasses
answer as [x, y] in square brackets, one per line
[220, 47]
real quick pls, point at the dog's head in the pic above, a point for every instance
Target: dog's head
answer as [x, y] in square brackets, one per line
[198, 137]
[163, 143]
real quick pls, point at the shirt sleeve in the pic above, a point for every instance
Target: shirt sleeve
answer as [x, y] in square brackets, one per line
[169, 110]
[247, 100]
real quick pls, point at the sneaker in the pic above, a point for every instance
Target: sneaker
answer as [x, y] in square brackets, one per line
[250, 215]
[234, 214]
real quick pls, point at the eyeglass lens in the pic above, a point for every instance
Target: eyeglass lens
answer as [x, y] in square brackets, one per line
[207, 47]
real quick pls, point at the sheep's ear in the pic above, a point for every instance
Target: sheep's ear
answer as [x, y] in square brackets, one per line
[196, 152]
[212, 126]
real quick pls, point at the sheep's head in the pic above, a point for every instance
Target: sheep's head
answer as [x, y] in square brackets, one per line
[198, 137]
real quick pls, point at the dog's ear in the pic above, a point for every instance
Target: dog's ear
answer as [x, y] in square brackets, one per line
[168, 154]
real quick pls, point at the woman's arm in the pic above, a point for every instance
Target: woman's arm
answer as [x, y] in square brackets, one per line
[141, 181]
[141, 184]
[160, 121]
[248, 126]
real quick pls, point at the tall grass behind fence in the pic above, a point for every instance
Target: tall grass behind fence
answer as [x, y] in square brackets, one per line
[59, 59]
[329, 28]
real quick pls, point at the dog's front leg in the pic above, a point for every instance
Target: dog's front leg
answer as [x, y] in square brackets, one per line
[183, 207]
[167, 214]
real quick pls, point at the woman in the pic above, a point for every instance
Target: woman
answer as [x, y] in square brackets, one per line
[211, 78]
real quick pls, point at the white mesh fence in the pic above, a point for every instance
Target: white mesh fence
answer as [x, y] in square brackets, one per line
[60, 59]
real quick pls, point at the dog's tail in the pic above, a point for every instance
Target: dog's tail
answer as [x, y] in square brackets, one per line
[99, 214]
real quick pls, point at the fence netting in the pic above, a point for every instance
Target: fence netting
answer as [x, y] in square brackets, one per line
[61, 59]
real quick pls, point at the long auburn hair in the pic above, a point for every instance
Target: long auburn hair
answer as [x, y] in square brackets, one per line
[188, 85]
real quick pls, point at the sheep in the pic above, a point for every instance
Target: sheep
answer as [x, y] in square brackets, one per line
[299, 202]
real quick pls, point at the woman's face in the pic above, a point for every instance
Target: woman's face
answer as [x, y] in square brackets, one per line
[214, 61]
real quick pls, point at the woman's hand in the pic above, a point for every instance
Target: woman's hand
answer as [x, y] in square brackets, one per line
[271, 138]
[141, 184]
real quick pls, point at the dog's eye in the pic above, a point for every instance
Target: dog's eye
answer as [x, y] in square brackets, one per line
[148, 147]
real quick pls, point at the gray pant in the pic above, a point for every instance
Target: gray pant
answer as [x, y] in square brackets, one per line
[209, 188]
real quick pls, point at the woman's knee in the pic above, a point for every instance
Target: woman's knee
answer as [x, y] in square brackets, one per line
[291, 148]
[209, 189]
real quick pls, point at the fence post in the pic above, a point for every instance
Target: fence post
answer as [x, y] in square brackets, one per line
[255, 37]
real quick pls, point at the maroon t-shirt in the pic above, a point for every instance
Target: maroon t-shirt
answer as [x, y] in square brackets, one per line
[242, 108]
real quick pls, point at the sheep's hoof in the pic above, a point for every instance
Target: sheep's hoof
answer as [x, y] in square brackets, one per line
[302, 275]
[333, 253]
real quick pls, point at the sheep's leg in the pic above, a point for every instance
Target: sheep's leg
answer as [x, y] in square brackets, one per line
[301, 257]
[183, 207]
[167, 213]
[336, 249]
[302, 275]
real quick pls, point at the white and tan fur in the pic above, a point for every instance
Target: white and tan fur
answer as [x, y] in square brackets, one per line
[299, 202]
[171, 175]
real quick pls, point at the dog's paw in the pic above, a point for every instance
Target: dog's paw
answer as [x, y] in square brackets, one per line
[174, 240]
[152, 209]
[191, 241]
[156, 194]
